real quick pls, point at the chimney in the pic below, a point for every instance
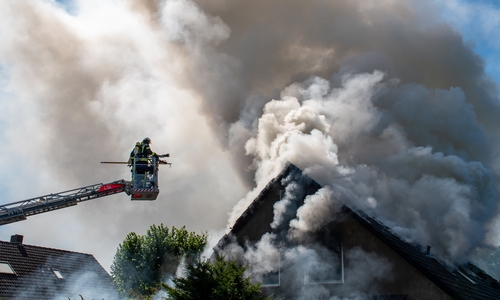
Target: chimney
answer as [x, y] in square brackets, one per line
[428, 251]
[16, 238]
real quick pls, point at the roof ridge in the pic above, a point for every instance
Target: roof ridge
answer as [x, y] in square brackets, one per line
[427, 263]
[48, 248]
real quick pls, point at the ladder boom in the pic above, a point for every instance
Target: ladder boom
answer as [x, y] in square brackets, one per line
[142, 187]
[20, 210]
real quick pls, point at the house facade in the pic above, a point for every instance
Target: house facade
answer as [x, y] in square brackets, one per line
[34, 272]
[352, 257]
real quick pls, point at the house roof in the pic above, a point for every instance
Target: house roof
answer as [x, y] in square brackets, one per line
[466, 281]
[388, 297]
[44, 273]
[261, 200]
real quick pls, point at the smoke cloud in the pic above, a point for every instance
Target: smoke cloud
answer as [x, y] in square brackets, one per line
[84, 86]
[381, 102]
[429, 197]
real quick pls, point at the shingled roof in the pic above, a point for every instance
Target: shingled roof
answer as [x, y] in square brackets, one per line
[44, 273]
[466, 281]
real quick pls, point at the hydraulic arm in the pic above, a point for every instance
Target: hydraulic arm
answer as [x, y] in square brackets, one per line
[18, 211]
[143, 186]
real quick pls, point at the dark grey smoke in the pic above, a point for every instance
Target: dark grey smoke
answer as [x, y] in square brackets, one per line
[421, 136]
[274, 44]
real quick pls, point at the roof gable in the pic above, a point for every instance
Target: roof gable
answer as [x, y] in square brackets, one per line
[464, 282]
[275, 184]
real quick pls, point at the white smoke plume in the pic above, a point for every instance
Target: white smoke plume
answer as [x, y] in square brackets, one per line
[426, 196]
[318, 210]
[294, 263]
[82, 86]
[382, 102]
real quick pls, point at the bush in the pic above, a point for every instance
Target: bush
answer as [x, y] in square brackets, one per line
[219, 280]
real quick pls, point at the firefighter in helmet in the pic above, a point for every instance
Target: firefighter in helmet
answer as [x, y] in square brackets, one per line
[136, 150]
[142, 157]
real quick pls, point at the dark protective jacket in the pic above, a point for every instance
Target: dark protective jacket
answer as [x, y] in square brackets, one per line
[134, 151]
[144, 152]
[142, 155]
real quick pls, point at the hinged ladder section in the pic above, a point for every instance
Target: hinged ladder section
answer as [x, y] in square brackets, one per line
[18, 211]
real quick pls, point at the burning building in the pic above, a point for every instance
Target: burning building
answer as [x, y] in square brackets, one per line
[353, 256]
[386, 104]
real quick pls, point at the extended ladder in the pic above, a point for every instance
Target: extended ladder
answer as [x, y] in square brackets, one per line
[18, 211]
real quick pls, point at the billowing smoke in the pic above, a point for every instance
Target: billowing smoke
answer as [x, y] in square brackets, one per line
[381, 102]
[394, 114]
[82, 84]
[363, 153]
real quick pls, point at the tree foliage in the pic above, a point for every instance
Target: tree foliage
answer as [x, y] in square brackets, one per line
[219, 280]
[141, 262]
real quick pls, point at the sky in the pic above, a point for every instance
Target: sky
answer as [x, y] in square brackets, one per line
[477, 21]
[393, 105]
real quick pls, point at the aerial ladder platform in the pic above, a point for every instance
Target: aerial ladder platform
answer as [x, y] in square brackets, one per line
[142, 186]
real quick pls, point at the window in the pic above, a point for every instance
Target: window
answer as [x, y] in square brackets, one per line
[329, 270]
[467, 273]
[51, 273]
[315, 263]
[58, 274]
[6, 268]
[273, 278]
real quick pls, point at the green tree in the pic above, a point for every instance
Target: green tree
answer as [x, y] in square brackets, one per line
[219, 280]
[141, 262]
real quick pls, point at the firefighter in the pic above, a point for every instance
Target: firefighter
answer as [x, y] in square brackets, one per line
[136, 150]
[142, 161]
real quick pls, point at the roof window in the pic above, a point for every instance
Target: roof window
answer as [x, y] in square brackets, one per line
[6, 268]
[58, 274]
[466, 277]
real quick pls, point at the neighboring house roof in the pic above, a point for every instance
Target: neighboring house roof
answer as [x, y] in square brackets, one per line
[463, 282]
[45, 273]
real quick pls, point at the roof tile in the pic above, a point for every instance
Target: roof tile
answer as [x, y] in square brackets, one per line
[35, 277]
